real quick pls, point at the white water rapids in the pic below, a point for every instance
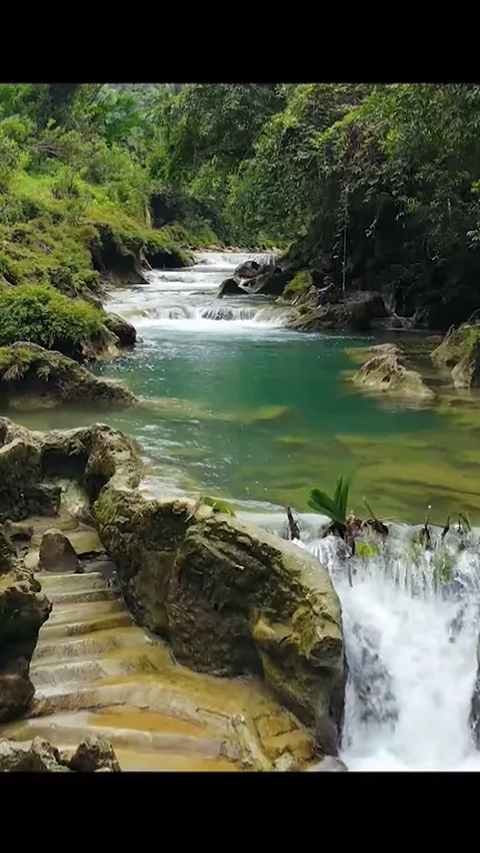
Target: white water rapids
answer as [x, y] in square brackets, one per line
[186, 300]
[410, 644]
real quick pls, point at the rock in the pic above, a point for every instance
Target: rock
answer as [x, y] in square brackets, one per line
[460, 350]
[356, 313]
[466, 374]
[23, 610]
[329, 764]
[286, 764]
[386, 374]
[270, 283]
[94, 753]
[125, 332]
[387, 349]
[43, 757]
[230, 287]
[33, 376]
[231, 598]
[456, 345]
[249, 269]
[57, 554]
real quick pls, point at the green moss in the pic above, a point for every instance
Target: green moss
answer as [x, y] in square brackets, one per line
[299, 285]
[457, 345]
[43, 316]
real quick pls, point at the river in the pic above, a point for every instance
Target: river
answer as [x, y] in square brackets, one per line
[238, 407]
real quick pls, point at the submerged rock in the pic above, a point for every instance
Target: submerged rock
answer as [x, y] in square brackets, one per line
[23, 610]
[57, 554]
[34, 377]
[386, 374]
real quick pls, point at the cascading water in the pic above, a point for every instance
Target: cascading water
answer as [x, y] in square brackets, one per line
[411, 620]
[411, 624]
[186, 299]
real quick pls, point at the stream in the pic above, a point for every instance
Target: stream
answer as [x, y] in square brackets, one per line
[240, 408]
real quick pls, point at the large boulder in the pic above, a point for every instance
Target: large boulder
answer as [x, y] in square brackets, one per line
[270, 283]
[232, 599]
[249, 269]
[57, 554]
[231, 287]
[354, 313]
[22, 494]
[32, 377]
[125, 332]
[460, 350]
[23, 610]
[387, 374]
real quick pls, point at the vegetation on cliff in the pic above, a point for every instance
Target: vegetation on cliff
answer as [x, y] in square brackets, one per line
[375, 186]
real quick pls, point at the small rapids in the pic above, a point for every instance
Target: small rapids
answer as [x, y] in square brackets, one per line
[411, 624]
[186, 299]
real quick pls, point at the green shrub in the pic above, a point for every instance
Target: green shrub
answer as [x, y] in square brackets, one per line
[42, 315]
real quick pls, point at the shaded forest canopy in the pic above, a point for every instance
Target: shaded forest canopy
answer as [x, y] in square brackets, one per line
[377, 186]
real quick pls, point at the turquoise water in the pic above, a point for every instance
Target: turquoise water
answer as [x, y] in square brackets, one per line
[238, 407]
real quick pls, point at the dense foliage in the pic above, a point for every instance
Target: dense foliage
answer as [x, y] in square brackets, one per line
[43, 316]
[376, 185]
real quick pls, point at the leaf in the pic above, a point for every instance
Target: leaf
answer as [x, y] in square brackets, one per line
[342, 490]
[320, 502]
[217, 506]
[366, 550]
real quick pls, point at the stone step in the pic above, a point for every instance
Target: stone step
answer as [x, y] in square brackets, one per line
[50, 649]
[51, 582]
[65, 613]
[73, 732]
[148, 692]
[83, 596]
[59, 673]
[86, 626]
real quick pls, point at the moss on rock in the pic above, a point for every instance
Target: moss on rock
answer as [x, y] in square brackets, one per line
[33, 377]
[386, 374]
[23, 610]
[460, 350]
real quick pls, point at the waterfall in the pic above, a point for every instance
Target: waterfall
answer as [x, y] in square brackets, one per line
[411, 651]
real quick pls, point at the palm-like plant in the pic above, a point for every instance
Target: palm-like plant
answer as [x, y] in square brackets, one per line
[334, 508]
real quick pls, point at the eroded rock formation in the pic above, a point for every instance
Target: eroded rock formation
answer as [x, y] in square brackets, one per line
[33, 377]
[23, 610]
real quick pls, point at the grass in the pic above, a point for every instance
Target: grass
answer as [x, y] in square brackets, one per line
[46, 239]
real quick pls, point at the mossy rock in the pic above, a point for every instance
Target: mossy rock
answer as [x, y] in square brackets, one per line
[386, 374]
[33, 377]
[231, 598]
[23, 610]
